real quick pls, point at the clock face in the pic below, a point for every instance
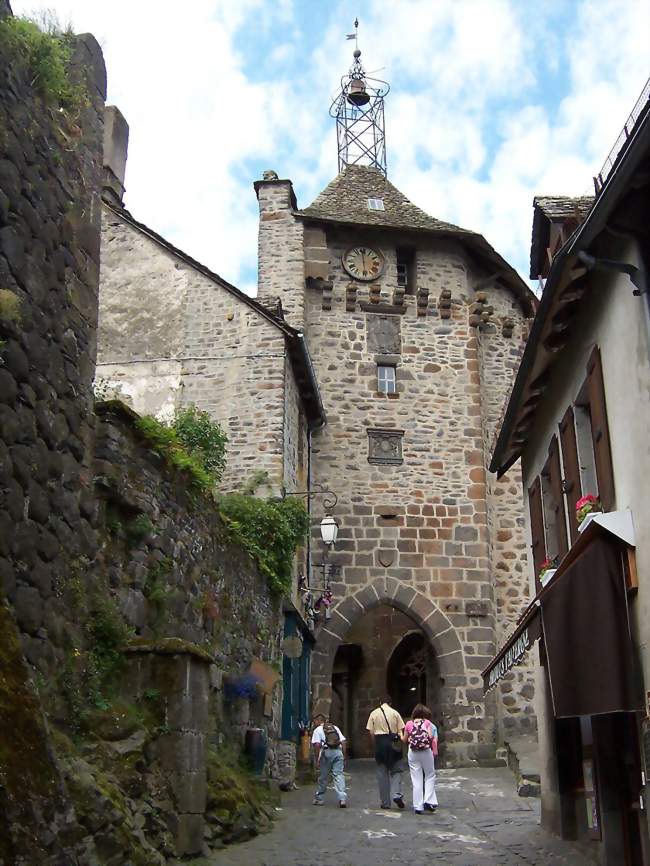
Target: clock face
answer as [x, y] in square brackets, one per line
[363, 263]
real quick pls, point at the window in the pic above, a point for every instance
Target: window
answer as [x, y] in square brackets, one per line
[572, 482]
[376, 204]
[538, 543]
[585, 450]
[553, 504]
[585, 467]
[386, 380]
[406, 269]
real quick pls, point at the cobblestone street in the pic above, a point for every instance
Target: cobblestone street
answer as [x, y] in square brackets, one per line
[480, 822]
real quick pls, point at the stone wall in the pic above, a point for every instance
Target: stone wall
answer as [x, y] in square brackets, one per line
[499, 355]
[111, 564]
[50, 164]
[192, 343]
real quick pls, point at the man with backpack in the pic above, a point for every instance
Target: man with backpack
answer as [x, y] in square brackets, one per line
[329, 750]
[385, 726]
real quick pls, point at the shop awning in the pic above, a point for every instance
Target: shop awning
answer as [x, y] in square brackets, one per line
[583, 617]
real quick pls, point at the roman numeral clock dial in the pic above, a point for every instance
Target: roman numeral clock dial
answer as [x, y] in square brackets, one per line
[363, 263]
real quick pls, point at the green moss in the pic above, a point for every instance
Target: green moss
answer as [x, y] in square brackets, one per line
[167, 646]
[24, 760]
[231, 786]
[10, 307]
[138, 529]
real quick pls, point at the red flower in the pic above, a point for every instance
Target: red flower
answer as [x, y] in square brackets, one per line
[589, 499]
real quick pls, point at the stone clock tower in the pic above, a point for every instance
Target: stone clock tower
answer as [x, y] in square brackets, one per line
[415, 328]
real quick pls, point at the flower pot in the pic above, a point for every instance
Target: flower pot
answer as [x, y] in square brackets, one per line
[587, 520]
[548, 574]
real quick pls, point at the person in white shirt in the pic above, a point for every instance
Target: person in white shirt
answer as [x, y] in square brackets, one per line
[329, 750]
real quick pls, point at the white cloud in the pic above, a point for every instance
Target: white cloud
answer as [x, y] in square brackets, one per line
[493, 101]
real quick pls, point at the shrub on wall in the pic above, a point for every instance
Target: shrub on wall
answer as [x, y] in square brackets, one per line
[270, 530]
[203, 438]
[46, 50]
[193, 444]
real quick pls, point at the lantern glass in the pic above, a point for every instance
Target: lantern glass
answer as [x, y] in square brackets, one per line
[328, 529]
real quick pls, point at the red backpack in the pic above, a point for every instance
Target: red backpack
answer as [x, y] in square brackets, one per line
[419, 738]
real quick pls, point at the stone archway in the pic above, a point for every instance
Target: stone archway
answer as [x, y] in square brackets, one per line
[437, 628]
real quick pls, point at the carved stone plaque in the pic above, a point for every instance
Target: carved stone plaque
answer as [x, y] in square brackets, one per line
[383, 334]
[385, 446]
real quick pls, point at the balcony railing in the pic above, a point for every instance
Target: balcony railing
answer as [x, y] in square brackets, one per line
[603, 174]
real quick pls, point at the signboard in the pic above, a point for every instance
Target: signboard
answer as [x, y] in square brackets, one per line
[292, 646]
[508, 660]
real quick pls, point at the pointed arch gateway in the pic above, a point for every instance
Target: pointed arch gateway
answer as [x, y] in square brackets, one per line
[437, 628]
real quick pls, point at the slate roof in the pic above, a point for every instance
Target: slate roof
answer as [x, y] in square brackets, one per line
[552, 208]
[557, 207]
[345, 200]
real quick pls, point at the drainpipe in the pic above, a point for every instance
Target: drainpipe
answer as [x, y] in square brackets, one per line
[638, 274]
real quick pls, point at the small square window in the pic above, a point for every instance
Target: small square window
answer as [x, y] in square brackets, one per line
[406, 269]
[386, 380]
[376, 204]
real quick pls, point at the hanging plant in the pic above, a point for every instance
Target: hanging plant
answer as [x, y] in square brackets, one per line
[546, 566]
[587, 505]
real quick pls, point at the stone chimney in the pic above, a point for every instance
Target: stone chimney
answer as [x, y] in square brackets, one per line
[281, 257]
[116, 145]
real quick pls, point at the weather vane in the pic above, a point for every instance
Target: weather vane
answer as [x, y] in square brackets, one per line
[354, 35]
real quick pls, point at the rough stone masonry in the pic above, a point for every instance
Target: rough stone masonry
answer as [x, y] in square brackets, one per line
[422, 527]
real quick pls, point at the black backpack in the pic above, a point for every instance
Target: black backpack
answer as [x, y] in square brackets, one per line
[332, 739]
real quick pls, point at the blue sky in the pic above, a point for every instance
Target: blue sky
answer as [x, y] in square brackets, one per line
[491, 102]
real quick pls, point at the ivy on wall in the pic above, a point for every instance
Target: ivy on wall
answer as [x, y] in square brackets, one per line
[270, 530]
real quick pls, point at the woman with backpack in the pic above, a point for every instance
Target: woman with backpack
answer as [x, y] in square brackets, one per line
[422, 737]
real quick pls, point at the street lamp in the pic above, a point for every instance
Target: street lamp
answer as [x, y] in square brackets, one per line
[329, 530]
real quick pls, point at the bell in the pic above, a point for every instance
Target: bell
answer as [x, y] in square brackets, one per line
[357, 92]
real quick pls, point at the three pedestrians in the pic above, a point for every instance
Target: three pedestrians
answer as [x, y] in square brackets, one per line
[388, 734]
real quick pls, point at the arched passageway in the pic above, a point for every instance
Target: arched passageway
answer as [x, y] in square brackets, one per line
[384, 652]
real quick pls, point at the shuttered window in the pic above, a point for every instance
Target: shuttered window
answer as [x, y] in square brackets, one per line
[537, 528]
[572, 486]
[595, 393]
[553, 504]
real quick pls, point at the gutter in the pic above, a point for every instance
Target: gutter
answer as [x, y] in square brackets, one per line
[583, 236]
[319, 417]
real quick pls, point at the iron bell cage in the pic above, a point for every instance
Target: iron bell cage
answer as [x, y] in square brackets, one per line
[358, 110]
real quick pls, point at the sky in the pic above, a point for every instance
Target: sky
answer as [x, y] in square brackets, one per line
[491, 103]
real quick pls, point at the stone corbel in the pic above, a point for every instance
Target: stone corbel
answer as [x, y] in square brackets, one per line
[507, 327]
[324, 286]
[374, 293]
[422, 301]
[351, 297]
[444, 304]
[398, 296]
[478, 310]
